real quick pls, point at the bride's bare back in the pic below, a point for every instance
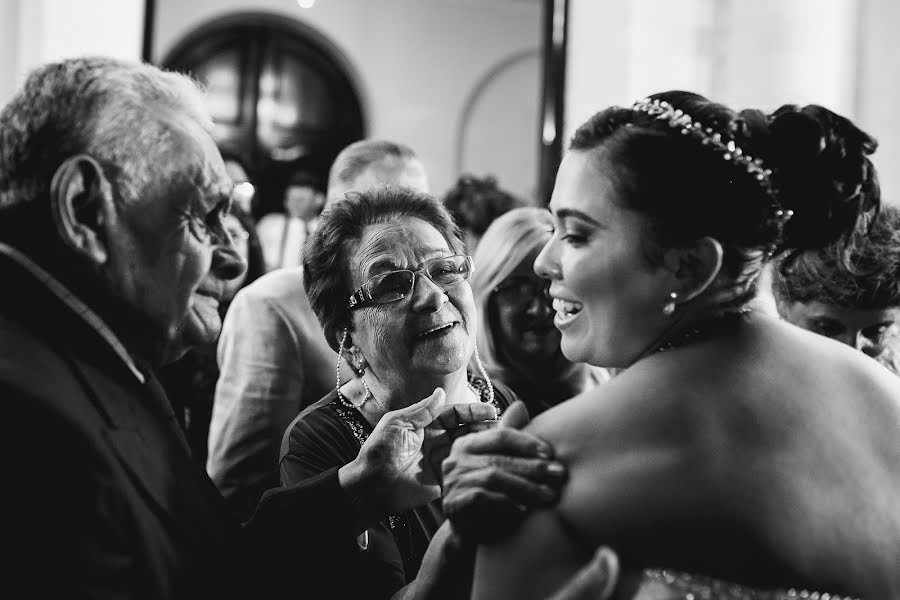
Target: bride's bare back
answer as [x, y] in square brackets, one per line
[769, 457]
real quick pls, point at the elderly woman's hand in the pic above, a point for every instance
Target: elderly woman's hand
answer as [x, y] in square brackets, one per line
[492, 478]
[392, 472]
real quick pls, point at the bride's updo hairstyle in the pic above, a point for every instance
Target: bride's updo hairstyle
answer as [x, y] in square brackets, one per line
[762, 185]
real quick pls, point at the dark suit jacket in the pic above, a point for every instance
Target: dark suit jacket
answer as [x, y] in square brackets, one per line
[104, 500]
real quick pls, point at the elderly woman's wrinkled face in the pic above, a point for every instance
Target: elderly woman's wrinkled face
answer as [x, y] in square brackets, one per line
[432, 329]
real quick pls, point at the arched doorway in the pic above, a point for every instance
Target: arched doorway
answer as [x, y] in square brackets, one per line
[282, 97]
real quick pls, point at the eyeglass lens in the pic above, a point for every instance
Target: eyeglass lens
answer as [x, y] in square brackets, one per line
[443, 271]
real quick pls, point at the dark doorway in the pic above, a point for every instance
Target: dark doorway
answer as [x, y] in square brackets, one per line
[280, 94]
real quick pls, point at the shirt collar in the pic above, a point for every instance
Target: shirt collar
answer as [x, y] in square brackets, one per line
[77, 306]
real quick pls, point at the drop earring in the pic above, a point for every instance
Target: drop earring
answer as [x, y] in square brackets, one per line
[669, 306]
[337, 384]
[360, 370]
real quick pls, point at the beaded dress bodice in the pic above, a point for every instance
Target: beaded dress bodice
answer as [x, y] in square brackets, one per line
[658, 584]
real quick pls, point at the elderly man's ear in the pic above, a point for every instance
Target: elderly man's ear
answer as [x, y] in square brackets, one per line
[82, 206]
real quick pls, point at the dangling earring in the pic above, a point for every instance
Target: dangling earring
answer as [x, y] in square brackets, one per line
[360, 371]
[669, 307]
[337, 385]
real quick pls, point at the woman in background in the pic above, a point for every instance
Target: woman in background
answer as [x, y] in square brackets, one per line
[518, 341]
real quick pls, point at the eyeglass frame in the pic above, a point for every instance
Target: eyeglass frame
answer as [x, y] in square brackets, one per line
[361, 297]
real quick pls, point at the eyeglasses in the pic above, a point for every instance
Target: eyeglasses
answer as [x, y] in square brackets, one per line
[523, 289]
[443, 271]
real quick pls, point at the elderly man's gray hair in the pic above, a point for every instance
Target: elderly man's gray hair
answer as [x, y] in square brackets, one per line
[113, 110]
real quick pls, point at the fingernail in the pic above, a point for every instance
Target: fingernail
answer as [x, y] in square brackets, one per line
[556, 468]
[548, 492]
[544, 452]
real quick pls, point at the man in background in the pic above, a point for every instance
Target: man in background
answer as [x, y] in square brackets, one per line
[282, 235]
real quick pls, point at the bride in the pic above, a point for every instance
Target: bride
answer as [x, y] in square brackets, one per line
[733, 446]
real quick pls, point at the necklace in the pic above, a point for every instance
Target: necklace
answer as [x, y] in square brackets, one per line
[366, 396]
[479, 393]
[703, 330]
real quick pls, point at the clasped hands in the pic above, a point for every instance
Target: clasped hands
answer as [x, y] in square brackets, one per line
[488, 472]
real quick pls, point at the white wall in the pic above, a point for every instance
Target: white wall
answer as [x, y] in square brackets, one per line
[842, 54]
[878, 94]
[417, 62]
[33, 32]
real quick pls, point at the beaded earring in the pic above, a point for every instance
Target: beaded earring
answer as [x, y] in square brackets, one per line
[669, 306]
[360, 371]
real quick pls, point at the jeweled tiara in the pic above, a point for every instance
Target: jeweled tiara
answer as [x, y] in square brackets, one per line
[728, 150]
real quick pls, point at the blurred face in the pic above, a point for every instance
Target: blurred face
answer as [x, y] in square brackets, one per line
[171, 256]
[240, 238]
[524, 329]
[389, 171]
[606, 295]
[303, 202]
[867, 330]
[428, 332]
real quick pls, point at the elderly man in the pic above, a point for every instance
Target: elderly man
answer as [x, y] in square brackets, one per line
[113, 257]
[273, 357]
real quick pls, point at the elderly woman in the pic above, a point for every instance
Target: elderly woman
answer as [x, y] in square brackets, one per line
[387, 278]
[518, 342]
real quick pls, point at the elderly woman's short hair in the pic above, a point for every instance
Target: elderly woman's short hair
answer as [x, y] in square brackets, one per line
[326, 263]
[505, 244]
[864, 275]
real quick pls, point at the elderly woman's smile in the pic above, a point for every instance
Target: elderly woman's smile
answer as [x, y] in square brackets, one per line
[437, 330]
[429, 328]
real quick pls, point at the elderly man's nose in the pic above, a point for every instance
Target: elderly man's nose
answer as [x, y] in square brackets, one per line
[227, 263]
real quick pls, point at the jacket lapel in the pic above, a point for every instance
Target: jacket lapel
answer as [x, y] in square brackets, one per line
[150, 445]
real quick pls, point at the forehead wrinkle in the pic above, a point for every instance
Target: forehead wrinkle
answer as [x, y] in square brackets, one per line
[193, 162]
[382, 251]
